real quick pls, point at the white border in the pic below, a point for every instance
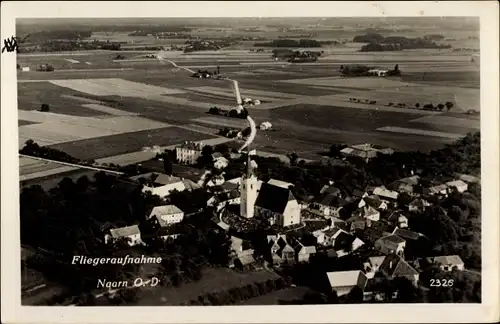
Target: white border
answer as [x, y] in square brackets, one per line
[487, 311]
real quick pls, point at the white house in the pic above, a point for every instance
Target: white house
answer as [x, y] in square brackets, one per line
[460, 185]
[394, 266]
[167, 215]
[265, 125]
[448, 262]
[281, 250]
[302, 251]
[345, 243]
[131, 233]
[342, 282]
[220, 162]
[469, 178]
[434, 190]
[188, 152]
[385, 194]
[368, 212]
[329, 205]
[277, 205]
[390, 244]
[160, 184]
[373, 265]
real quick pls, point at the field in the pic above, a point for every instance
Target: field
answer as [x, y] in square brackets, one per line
[308, 104]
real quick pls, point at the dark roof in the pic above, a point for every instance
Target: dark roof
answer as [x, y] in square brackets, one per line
[343, 241]
[393, 238]
[394, 266]
[406, 234]
[370, 235]
[330, 190]
[332, 200]
[358, 193]
[274, 198]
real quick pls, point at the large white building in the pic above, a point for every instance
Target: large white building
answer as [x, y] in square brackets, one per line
[131, 234]
[188, 152]
[162, 185]
[167, 215]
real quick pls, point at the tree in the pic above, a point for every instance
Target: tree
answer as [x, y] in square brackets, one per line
[355, 296]
[440, 106]
[167, 164]
[449, 105]
[45, 107]
[293, 158]
[417, 105]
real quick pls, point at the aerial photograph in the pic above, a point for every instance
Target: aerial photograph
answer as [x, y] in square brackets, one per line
[249, 161]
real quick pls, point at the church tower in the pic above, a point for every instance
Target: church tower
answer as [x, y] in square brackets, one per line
[249, 184]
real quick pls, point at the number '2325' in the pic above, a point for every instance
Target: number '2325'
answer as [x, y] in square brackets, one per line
[441, 283]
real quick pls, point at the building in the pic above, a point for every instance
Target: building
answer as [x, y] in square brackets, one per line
[281, 251]
[418, 205]
[342, 282]
[220, 162]
[249, 190]
[406, 185]
[280, 183]
[265, 125]
[303, 252]
[167, 215]
[365, 151]
[329, 205]
[407, 235]
[373, 265]
[460, 185]
[277, 205]
[344, 243]
[160, 184]
[386, 194]
[468, 178]
[390, 244]
[25, 69]
[394, 266]
[188, 152]
[435, 190]
[368, 212]
[241, 253]
[375, 202]
[170, 232]
[131, 234]
[447, 262]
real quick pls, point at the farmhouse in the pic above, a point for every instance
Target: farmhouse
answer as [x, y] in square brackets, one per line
[342, 282]
[160, 184]
[447, 262]
[303, 252]
[167, 214]
[281, 251]
[241, 253]
[329, 205]
[131, 234]
[188, 152]
[460, 185]
[390, 244]
[394, 266]
[385, 194]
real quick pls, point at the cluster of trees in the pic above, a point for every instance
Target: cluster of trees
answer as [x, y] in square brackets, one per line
[46, 35]
[448, 105]
[70, 45]
[233, 113]
[371, 102]
[44, 108]
[378, 43]
[33, 149]
[239, 294]
[302, 43]
[199, 45]
[158, 30]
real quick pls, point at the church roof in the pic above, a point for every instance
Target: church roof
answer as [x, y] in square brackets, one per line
[273, 198]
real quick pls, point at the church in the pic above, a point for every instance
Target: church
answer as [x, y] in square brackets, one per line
[269, 201]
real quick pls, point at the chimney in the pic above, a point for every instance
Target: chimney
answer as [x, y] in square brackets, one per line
[390, 265]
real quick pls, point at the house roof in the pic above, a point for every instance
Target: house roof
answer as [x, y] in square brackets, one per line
[367, 211]
[161, 178]
[385, 193]
[165, 210]
[370, 235]
[377, 260]
[332, 200]
[345, 278]
[246, 259]
[469, 178]
[393, 238]
[190, 185]
[217, 155]
[419, 202]
[327, 189]
[373, 201]
[124, 231]
[395, 266]
[447, 260]
[229, 186]
[406, 234]
[437, 189]
[343, 241]
[273, 198]
[358, 193]
[191, 145]
[456, 183]
[280, 183]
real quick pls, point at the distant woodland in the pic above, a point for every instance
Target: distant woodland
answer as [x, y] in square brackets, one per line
[378, 43]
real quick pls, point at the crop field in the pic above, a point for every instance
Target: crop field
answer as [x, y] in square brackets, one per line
[105, 146]
[214, 279]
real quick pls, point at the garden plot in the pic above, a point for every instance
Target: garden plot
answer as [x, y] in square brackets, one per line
[449, 121]
[114, 87]
[355, 83]
[413, 131]
[35, 116]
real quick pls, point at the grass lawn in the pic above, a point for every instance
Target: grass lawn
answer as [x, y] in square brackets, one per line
[278, 297]
[128, 142]
[214, 279]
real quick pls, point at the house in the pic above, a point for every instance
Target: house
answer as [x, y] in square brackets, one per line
[386, 194]
[216, 180]
[418, 205]
[435, 190]
[167, 214]
[241, 253]
[130, 233]
[159, 184]
[375, 202]
[220, 162]
[372, 266]
[281, 251]
[265, 125]
[277, 205]
[396, 218]
[394, 266]
[357, 223]
[342, 282]
[368, 213]
[390, 244]
[447, 262]
[375, 290]
[345, 243]
[171, 232]
[302, 251]
[320, 237]
[359, 194]
[370, 235]
[468, 178]
[280, 183]
[460, 185]
[328, 189]
[363, 151]
[406, 185]
[188, 152]
[329, 205]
